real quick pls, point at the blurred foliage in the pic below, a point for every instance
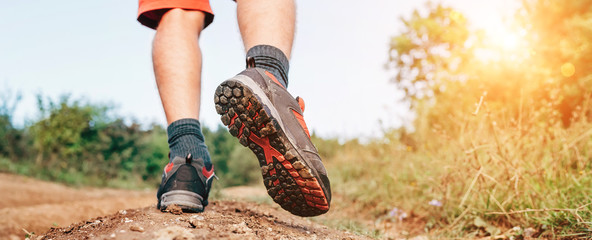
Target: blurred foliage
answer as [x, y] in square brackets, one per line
[446, 68]
[81, 143]
[234, 164]
[85, 144]
[559, 34]
[429, 51]
[12, 142]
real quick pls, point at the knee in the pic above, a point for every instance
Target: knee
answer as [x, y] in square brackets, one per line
[183, 18]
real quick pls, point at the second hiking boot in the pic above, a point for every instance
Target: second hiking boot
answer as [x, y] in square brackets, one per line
[186, 183]
[261, 113]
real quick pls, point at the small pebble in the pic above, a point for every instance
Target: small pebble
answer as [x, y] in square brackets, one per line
[137, 228]
[195, 223]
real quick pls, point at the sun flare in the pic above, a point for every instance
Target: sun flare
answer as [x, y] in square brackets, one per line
[503, 44]
[506, 39]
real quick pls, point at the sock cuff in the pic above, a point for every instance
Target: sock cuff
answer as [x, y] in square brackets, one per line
[185, 126]
[270, 51]
[273, 58]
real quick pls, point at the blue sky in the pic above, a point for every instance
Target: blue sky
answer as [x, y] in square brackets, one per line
[96, 50]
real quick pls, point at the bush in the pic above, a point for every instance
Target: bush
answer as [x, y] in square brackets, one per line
[84, 144]
[80, 143]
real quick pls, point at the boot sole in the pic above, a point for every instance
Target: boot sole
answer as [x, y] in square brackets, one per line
[186, 200]
[287, 177]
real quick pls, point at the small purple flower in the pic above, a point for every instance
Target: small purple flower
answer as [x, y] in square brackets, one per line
[394, 212]
[435, 203]
[398, 213]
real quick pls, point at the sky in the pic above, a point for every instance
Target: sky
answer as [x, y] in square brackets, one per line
[96, 50]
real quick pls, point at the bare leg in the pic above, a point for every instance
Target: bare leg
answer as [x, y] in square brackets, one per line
[267, 22]
[177, 67]
[177, 63]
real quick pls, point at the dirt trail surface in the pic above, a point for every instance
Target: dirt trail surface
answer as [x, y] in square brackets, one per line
[221, 220]
[35, 205]
[54, 211]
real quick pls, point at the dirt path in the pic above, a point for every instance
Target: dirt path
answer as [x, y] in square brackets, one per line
[69, 213]
[36, 205]
[222, 220]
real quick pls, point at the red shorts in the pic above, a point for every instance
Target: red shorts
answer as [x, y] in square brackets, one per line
[150, 11]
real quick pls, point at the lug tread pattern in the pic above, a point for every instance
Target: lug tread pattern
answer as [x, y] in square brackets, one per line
[288, 179]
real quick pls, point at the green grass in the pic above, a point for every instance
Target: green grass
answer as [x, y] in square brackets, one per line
[509, 173]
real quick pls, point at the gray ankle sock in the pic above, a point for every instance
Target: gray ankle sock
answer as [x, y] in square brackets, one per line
[271, 59]
[185, 137]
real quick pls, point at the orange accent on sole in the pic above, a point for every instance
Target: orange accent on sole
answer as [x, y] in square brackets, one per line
[319, 200]
[317, 192]
[268, 151]
[301, 183]
[288, 165]
[240, 131]
[313, 184]
[322, 207]
[232, 120]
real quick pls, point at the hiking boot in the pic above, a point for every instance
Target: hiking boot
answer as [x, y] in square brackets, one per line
[186, 183]
[261, 113]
